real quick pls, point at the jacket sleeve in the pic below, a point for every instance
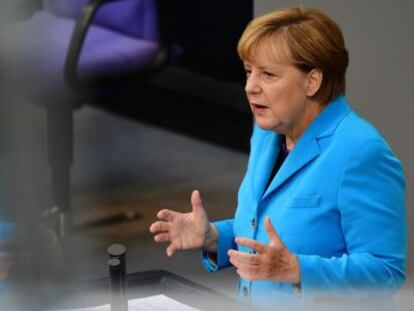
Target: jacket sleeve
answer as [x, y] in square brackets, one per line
[371, 202]
[225, 242]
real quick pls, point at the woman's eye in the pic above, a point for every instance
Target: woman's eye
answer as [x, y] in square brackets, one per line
[248, 72]
[268, 74]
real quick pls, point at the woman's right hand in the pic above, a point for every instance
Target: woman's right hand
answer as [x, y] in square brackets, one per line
[186, 230]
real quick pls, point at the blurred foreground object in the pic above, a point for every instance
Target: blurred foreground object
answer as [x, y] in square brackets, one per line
[70, 52]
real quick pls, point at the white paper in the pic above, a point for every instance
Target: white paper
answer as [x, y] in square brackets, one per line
[151, 303]
[158, 303]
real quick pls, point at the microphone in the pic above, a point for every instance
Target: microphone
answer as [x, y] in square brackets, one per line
[117, 277]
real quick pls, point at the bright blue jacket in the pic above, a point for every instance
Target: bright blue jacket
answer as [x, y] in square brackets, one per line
[337, 202]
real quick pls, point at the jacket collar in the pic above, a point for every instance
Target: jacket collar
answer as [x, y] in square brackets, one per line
[307, 147]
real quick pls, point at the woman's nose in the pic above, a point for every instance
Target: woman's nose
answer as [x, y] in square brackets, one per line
[252, 86]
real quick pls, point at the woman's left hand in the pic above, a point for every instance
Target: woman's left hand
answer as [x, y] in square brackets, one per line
[271, 262]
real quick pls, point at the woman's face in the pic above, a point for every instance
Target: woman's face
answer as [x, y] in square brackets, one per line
[277, 93]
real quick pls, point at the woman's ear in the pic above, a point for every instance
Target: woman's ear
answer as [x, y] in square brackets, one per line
[315, 78]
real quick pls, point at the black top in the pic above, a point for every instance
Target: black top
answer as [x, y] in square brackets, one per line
[283, 153]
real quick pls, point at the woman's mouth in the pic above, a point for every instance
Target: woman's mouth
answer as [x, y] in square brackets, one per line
[257, 108]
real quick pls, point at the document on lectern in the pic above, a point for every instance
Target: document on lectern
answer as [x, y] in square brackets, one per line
[151, 303]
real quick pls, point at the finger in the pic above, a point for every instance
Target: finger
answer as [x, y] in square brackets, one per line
[243, 257]
[257, 246]
[162, 237]
[247, 270]
[170, 250]
[196, 201]
[165, 214]
[274, 238]
[159, 226]
[244, 266]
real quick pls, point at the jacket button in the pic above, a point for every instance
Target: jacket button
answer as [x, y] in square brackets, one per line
[253, 222]
[245, 291]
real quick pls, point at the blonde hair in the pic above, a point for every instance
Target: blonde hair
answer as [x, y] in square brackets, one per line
[307, 38]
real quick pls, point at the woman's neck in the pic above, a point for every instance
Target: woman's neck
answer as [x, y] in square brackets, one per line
[294, 135]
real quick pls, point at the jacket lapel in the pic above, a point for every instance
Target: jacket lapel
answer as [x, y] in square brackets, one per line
[307, 148]
[266, 158]
[304, 152]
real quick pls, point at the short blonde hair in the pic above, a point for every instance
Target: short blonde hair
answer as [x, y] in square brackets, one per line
[307, 38]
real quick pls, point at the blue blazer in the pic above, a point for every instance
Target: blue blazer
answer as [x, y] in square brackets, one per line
[337, 202]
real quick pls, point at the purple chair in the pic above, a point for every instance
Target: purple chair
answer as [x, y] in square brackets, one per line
[74, 50]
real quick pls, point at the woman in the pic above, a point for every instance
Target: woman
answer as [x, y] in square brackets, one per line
[321, 208]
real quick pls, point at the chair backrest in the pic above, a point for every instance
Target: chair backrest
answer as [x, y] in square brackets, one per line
[137, 18]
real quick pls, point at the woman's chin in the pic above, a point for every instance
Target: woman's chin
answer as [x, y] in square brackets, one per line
[268, 126]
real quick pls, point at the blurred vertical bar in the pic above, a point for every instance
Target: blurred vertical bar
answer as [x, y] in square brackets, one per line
[27, 283]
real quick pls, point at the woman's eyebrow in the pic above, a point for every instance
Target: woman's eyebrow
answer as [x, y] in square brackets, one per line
[268, 68]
